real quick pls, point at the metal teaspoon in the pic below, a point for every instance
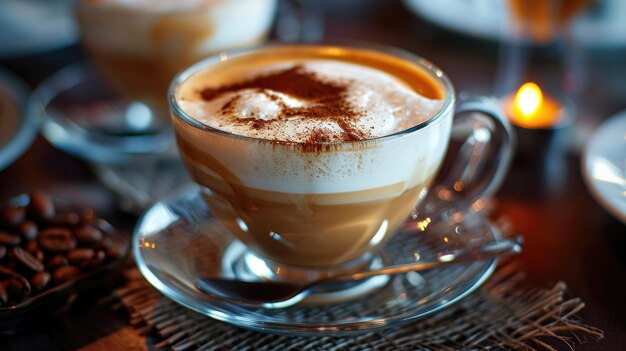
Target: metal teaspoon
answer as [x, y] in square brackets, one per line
[276, 294]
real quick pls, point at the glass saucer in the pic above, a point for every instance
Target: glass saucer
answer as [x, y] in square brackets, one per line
[178, 240]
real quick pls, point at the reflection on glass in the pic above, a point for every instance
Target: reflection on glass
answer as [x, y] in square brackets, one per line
[605, 171]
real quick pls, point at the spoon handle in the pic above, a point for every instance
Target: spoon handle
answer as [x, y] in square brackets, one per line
[494, 249]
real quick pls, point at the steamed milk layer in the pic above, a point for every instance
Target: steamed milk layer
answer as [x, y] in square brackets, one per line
[289, 197]
[140, 44]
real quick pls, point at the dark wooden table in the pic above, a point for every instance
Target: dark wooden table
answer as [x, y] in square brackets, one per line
[569, 237]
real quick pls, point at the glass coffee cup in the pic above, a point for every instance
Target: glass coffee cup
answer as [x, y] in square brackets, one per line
[311, 209]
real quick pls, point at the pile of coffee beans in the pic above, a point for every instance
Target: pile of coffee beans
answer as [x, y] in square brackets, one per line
[41, 248]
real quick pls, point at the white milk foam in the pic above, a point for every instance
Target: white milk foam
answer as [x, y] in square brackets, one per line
[125, 26]
[404, 161]
[386, 105]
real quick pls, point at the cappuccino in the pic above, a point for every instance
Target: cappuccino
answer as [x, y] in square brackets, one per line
[303, 150]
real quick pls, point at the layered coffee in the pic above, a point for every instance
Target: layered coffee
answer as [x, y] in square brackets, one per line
[311, 155]
[139, 45]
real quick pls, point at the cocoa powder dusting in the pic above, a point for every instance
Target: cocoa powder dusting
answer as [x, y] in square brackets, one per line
[318, 136]
[328, 100]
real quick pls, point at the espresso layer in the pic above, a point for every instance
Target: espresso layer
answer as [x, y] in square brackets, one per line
[310, 229]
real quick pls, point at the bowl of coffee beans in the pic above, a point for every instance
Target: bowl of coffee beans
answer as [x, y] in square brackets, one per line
[49, 252]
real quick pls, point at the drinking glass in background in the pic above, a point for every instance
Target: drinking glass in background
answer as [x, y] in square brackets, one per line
[139, 46]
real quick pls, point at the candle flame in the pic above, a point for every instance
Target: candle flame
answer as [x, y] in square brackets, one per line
[530, 108]
[528, 100]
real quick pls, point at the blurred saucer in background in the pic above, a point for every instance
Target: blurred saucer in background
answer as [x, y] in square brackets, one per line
[604, 165]
[601, 26]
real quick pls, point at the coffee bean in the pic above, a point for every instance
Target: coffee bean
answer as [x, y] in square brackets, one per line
[3, 252]
[94, 262]
[14, 288]
[88, 216]
[65, 273]
[28, 230]
[56, 262]
[26, 259]
[56, 240]
[18, 287]
[32, 246]
[25, 285]
[6, 272]
[39, 255]
[88, 235]
[12, 216]
[71, 219]
[101, 245]
[112, 252]
[8, 239]
[80, 255]
[100, 255]
[4, 295]
[41, 206]
[40, 280]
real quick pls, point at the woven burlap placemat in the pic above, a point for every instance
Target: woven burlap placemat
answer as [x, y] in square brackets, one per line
[499, 315]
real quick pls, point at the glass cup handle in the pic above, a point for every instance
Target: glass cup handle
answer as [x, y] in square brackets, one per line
[484, 157]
